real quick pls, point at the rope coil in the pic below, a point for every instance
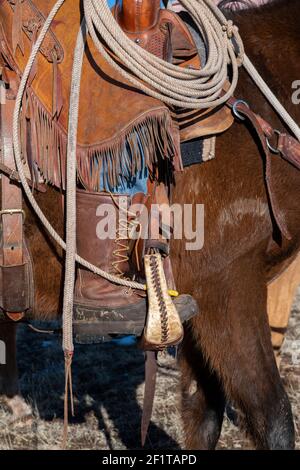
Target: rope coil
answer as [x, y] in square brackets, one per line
[174, 85]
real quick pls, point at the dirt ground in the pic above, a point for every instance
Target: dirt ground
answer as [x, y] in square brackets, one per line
[108, 388]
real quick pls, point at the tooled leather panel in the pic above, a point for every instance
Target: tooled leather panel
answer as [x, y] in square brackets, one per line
[159, 44]
[156, 40]
[32, 21]
[168, 39]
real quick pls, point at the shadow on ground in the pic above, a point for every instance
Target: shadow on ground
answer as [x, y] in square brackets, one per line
[108, 382]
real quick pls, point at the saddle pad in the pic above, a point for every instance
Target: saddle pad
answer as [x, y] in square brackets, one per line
[199, 150]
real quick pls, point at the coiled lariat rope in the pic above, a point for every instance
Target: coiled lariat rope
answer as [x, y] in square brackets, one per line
[182, 87]
[185, 88]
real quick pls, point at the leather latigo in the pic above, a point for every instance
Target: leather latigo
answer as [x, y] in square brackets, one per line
[289, 149]
[286, 144]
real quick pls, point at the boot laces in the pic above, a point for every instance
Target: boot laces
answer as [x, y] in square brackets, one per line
[126, 226]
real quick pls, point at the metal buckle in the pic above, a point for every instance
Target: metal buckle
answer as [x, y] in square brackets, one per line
[236, 113]
[270, 146]
[13, 212]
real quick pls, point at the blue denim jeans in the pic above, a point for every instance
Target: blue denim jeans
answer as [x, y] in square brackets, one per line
[132, 185]
[128, 184]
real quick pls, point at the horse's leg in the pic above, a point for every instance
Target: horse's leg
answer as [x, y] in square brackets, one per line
[203, 401]
[234, 333]
[281, 294]
[9, 388]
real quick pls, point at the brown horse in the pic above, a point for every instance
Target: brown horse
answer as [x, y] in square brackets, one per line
[227, 351]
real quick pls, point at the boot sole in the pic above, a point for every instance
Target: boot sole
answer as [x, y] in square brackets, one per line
[97, 325]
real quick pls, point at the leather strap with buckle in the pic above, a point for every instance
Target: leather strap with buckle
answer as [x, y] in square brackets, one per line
[285, 146]
[13, 270]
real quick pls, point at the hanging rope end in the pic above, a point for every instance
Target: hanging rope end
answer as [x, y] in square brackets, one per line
[68, 389]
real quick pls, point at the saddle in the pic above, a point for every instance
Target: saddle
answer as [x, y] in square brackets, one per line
[103, 142]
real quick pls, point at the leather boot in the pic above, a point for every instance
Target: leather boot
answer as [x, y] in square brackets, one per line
[102, 308]
[117, 309]
[109, 254]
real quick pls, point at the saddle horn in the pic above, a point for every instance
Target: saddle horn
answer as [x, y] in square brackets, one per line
[136, 16]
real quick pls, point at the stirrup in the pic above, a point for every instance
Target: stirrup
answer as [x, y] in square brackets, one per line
[98, 324]
[163, 325]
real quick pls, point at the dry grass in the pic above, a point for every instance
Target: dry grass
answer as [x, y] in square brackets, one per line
[108, 385]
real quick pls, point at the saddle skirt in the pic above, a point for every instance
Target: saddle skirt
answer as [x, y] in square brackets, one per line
[120, 128]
